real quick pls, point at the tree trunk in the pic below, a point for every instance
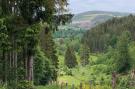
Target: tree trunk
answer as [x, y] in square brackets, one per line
[15, 66]
[3, 67]
[6, 66]
[30, 68]
[25, 63]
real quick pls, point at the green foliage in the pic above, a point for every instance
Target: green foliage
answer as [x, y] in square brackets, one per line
[106, 34]
[42, 68]
[132, 54]
[70, 58]
[123, 57]
[64, 70]
[2, 87]
[19, 36]
[48, 46]
[125, 82]
[25, 85]
[49, 87]
[4, 38]
[84, 55]
[68, 32]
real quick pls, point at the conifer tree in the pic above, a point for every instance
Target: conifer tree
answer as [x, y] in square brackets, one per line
[70, 58]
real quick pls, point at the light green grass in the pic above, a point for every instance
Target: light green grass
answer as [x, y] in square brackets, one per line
[69, 79]
[48, 87]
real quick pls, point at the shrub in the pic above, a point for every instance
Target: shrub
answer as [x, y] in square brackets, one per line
[65, 71]
[25, 85]
[123, 82]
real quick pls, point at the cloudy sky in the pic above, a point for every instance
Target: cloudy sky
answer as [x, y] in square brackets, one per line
[78, 6]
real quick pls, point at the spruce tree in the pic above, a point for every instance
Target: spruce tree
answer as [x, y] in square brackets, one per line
[49, 49]
[70, 58]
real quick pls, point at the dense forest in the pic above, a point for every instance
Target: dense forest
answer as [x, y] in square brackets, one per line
[27, 50]
[106, 34]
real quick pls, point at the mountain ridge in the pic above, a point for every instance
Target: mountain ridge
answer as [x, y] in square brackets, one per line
[90, 19]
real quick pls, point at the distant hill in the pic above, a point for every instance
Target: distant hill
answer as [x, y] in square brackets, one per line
[90, 19]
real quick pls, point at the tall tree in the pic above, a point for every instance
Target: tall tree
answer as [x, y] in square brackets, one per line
[48, 46]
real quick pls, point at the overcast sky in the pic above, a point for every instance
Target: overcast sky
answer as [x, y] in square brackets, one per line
[78, 6]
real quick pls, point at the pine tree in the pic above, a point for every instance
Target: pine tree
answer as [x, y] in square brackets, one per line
[49, 49]
[70, 58]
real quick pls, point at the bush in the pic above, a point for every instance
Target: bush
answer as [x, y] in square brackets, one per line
[64, 70]
[25, 85]
[124, 82]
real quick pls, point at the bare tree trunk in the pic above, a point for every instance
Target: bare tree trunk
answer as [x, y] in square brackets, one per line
[6, 67]
[15, 66]
[30, 68]
[10, 66]
[10, 60]
[3, 67]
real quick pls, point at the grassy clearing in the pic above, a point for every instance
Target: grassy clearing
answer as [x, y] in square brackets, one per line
[85, 74]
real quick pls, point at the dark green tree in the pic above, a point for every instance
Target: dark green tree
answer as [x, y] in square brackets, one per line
[49, 49]
[4, 48]
[42, 68]
[70, 58]
[123, 59]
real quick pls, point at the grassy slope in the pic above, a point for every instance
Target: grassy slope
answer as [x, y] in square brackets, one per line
[80, 74]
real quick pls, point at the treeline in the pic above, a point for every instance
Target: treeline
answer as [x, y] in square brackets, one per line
[106, 34]
[69, 33]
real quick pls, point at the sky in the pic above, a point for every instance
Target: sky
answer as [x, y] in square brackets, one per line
[78, 6]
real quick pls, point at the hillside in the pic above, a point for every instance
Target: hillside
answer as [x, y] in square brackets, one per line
[106, 34]
[111, 43]
[90, 19]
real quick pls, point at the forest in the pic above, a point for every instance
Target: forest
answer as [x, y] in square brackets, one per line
[98, 54]
[40, 48]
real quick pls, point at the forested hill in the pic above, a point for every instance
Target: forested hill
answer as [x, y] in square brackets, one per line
[106, 34]
[92, 18]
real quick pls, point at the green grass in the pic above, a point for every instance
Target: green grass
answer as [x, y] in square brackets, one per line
[69, 79]
[85, 74]
[48, 87]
